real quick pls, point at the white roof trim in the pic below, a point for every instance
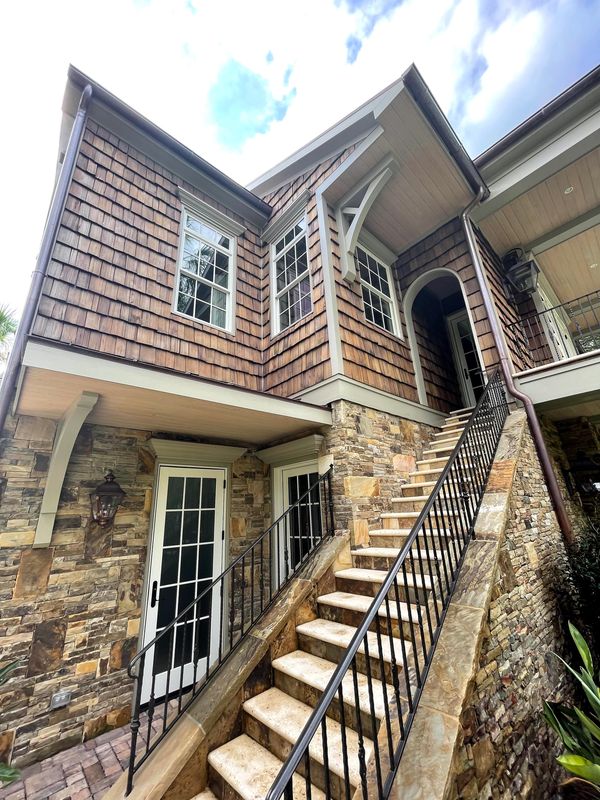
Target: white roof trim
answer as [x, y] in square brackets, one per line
[209, 213]
[283, 221]
[57, 359]
[292, 452]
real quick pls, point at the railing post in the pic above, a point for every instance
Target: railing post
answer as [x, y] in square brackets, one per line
[135, 722]
[330, 500]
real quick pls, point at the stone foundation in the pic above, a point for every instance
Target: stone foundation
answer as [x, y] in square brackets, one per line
[71, 612]
[508, 750]
[373, 453]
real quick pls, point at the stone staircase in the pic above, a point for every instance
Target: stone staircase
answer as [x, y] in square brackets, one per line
[244, 767]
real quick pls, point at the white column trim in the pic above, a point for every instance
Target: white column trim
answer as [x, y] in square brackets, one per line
[66, 434]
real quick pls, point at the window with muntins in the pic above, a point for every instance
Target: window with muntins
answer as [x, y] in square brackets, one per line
[377, 291]
[205, 273]
[292, 279]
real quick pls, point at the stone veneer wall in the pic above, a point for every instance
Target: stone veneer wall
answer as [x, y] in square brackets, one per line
[373, 453]
[70, 612]
[508, 750]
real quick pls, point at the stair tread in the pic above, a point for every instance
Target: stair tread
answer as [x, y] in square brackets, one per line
[205, 795]
[397, 514]
[379, 575]
[287, 717]
[317, 672]
[460, 411]
[404, 532]
[250, 769]
[362, 603]
[337, 633]
[392, 552]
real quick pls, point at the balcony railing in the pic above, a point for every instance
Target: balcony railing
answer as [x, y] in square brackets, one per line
[235, 601]
[561, 332]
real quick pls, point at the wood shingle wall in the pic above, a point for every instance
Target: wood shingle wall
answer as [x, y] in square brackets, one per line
[111, 277]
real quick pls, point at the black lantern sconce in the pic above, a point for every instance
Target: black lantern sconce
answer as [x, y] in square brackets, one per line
[522, 274]
[105, 500]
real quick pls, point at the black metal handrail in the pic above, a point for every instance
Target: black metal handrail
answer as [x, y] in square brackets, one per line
[565, 330]
[436, 546]
[242, 602]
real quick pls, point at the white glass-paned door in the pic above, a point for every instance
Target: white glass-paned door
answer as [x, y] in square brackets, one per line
[186, 557]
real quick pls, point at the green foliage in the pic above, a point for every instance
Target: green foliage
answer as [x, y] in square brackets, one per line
[8, 323]
[7, 774]
[579, 730]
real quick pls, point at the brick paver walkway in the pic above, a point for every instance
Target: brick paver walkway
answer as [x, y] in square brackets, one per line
[83, 772]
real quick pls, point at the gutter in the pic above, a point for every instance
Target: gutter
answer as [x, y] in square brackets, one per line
[506, 366]
[57, 205]
[570, 95]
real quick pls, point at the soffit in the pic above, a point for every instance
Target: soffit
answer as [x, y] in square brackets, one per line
[426, 189]
[567, 266]
[545, 207]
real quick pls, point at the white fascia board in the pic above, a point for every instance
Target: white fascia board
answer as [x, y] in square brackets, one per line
[561, 380]
[340, 387]
[539, 164]
[56, 359]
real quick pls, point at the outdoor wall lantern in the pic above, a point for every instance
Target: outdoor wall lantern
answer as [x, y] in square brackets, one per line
[105, 500]
[522, 274]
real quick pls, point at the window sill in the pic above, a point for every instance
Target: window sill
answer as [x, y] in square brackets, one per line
[200, 324]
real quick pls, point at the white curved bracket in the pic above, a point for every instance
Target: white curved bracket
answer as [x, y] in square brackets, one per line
[67, 433]
[359, 214]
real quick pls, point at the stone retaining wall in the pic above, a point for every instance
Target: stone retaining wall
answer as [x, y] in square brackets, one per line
[508, 750]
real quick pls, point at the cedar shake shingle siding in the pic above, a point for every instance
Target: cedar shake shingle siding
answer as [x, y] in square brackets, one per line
[298, 357]
[109, 286]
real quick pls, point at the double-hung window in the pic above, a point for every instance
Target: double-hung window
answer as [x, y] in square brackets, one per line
[205, 273]
[377, 291]
[291, 277]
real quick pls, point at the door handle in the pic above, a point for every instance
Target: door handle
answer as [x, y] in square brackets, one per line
[153, 596]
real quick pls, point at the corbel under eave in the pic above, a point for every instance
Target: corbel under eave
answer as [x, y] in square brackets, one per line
[359, 214]
[67, 433]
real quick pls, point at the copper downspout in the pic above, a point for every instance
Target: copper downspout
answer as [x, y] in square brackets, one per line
[57, 205]
[506, 366]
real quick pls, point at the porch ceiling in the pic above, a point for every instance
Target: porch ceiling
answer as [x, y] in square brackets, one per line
[144, 399]
[561, 229]
[426, 188]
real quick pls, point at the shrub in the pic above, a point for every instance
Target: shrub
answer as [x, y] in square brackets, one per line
[7, 774]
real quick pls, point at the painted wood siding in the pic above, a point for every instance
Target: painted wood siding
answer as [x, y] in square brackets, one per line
[298, 357]
[110, 281]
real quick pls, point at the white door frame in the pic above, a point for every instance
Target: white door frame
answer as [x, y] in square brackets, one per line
[280, 475]
[460, 363]
[155, 552]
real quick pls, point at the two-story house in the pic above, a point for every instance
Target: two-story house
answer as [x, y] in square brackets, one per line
[269, 366]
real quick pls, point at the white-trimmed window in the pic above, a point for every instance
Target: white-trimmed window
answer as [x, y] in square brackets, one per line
[291, 277]
[377, 291]
[205, 272]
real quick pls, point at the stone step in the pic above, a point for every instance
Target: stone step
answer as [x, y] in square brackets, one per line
[396, 537]
[446, 436]
[276, 717]
[350, 609]
[462, 412]
[402, 519]
[242, 769]
[438, 461]
[453, 423]
[329, 639]
[438, 450]
[384, 557]
[305, 676]
[205, 795]
[422, 489]
[356, 580]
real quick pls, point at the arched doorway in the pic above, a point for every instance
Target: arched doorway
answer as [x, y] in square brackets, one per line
[445, 350]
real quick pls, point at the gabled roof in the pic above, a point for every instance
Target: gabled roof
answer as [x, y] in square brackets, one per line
[224, 188]
[358, 124]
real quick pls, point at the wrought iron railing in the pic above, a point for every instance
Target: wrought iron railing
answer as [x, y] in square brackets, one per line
[234, 602]
[401, 627]
[560, 332]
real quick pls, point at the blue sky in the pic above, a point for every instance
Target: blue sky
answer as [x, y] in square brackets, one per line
[246, 83]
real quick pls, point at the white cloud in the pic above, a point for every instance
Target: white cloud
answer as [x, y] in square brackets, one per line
[162, 59]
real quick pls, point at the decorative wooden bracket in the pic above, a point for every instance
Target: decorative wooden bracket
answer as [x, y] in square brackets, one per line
[67, 433]
[358, 214]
